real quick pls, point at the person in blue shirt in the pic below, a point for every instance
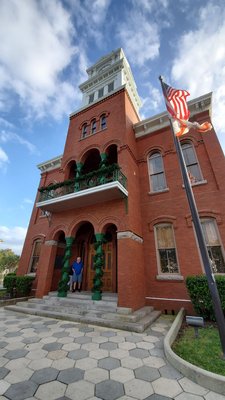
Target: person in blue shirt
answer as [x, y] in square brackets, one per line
[77, 268]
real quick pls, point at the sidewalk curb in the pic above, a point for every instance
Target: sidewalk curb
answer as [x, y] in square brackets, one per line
[198, 375]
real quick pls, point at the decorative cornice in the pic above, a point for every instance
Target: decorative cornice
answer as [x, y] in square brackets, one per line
[98, 101]
[50, 164]
[129, 235]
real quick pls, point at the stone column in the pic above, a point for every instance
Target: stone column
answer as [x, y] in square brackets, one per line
[63, 284]
[98, 266]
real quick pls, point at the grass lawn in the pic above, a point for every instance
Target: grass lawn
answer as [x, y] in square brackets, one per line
[205, 352]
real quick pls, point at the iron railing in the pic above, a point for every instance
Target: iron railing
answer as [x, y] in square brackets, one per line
[87, 181]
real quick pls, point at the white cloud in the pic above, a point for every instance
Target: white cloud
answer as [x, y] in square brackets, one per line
[200, 63]
[140, 38]
[35, 49]
[3, 159]
[13, 238]
[90, 15]
[13, 137]
[151, 102]
[140, 30]
[28, 201]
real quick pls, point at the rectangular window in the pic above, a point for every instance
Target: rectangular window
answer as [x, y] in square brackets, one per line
[100, 93]
[191, 162]
[213, 244]
[35, 256]
[110, 86]
[166, 249]
[157, 175]
[91, 98]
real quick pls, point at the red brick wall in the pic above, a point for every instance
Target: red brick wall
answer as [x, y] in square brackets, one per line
[130, 274]
[137, 264]
[174, 207]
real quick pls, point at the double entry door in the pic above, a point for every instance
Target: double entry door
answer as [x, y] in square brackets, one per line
[109, 267]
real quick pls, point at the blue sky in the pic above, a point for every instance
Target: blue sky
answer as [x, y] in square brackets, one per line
[45, 48]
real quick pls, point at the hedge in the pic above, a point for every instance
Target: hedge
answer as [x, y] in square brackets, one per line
[18, 286]
[200, 295]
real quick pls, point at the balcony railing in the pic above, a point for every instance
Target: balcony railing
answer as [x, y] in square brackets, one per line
[95, 178]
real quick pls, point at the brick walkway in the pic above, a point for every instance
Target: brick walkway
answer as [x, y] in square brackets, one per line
[48, 359]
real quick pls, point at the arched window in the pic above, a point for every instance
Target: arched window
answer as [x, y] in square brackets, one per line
[103, 122]
[156, 173]
[84, 130]
[93, 126]
[166, 249]
[214, 247]
[191, 162]
[35, 256]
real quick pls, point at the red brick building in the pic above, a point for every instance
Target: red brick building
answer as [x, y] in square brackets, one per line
[117, 189]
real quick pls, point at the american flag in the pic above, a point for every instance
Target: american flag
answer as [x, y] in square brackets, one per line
[176, 102]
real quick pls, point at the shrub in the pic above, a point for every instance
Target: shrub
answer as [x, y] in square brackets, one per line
[200, 295]
[18, 285]
[9, 283]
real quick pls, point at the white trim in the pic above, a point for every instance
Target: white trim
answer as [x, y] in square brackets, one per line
[167, 299]
[51, 243]
[50, 164]
[149, 158]
[83, 193]
[129, 235]
[160, 273]
[169, 277]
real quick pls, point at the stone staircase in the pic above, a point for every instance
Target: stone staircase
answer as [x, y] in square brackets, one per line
[79, 307]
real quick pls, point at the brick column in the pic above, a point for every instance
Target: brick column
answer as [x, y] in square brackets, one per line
[46, 267]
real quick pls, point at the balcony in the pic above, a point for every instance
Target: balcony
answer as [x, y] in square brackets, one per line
[98, 186]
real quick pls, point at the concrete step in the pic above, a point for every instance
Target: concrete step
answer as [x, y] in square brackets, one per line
[81, 303]
[84, 310]
[79, 307]
[138, 327]
[113, 297]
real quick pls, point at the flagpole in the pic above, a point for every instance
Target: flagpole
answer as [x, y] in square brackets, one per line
[200, 238]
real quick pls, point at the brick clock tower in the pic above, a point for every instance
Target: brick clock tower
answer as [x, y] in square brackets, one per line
[115, 198]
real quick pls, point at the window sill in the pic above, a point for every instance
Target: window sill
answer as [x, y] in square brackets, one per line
[169, 277]
[31, 274]
[158, 192]
[204, 182]
[92, 134]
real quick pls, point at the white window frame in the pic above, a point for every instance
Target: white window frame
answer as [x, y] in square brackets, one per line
[84, 130]
[213, 221]
[93, 126]
[100, 92]
[110, 87]
[160, 272]
[101, 127]
[151, 156]
[91, 98]
[193, 180]
[32, 256]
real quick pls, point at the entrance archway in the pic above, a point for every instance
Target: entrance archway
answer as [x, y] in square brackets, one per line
[81, 248]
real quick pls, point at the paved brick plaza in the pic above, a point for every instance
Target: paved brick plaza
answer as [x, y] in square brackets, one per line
[47, 359]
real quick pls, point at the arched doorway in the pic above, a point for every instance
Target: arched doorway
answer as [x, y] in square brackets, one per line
[109, 278]
[82, 244]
